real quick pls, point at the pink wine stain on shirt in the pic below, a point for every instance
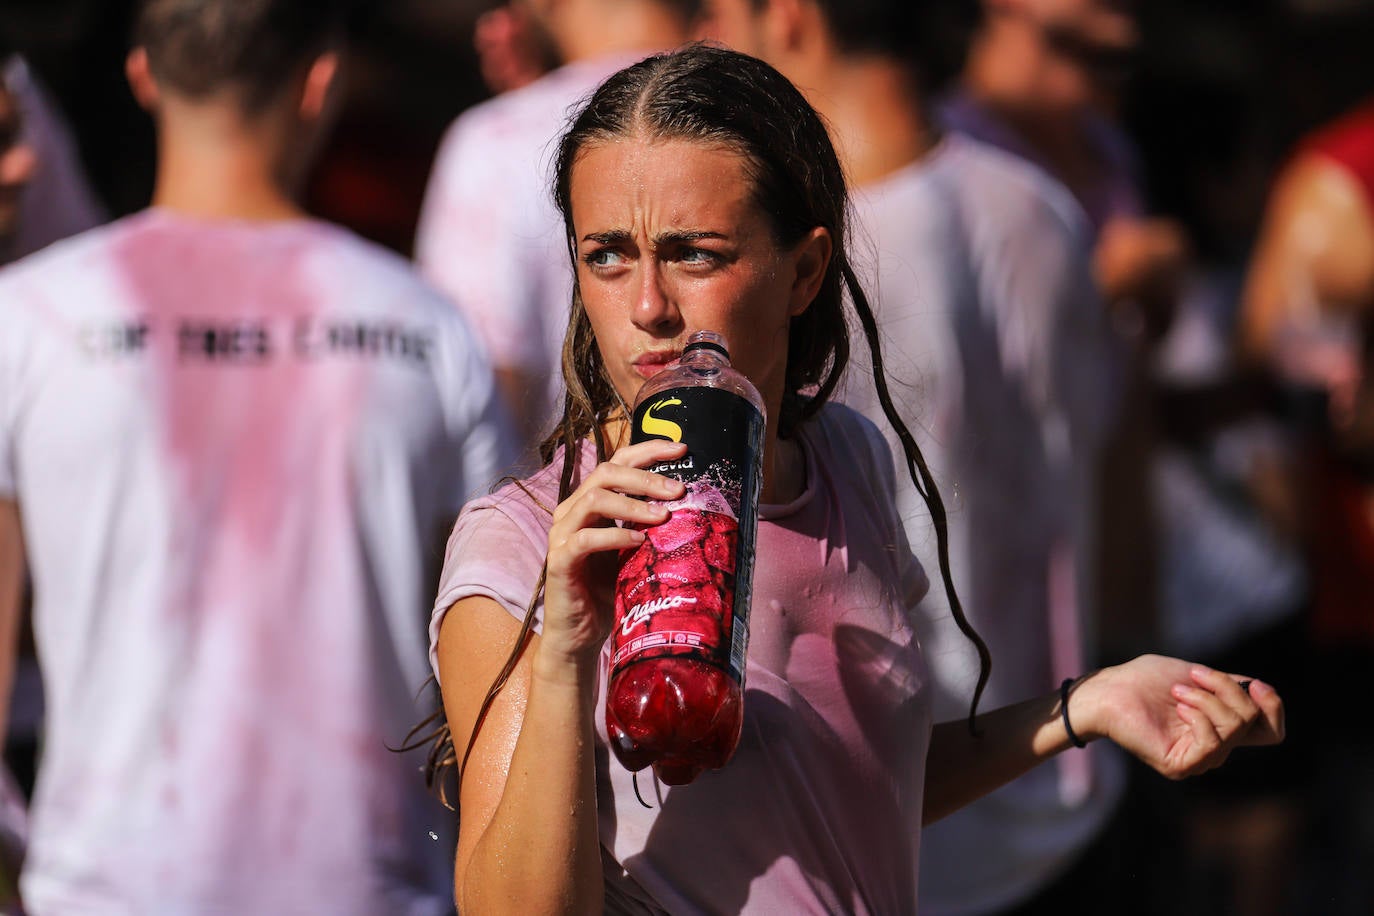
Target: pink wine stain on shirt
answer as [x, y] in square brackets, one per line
[256, 439]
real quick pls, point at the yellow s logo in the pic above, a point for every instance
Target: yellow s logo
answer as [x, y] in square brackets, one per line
[657, 426]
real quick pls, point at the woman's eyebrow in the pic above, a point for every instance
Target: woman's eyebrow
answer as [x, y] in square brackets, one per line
[684, 236]
[609, 237]
[669, 237]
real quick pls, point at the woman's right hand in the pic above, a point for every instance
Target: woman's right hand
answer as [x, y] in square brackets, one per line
[583, 546]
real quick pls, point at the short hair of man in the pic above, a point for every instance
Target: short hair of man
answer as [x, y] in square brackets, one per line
[203, 48]
[930, 36]
[689, 10]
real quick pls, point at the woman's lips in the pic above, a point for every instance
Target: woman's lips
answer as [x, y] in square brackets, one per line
[651, 364]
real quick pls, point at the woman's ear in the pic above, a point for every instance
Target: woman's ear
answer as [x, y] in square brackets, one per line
[141, 81]
[321, 82]
[810, 259]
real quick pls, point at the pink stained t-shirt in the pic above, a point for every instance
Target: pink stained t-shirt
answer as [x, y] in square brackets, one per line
[235, 447]
[819, 811]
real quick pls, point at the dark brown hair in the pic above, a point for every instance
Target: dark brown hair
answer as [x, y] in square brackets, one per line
[200, 48]
[710, 95]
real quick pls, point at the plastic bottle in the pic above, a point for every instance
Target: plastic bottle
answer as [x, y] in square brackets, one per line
[676, 693]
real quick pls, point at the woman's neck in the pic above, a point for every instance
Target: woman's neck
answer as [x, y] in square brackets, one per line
[877, 116]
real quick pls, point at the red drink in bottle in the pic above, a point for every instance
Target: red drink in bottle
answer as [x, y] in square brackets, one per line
[676, 693]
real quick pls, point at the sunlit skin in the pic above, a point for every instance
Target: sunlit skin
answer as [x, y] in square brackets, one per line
[665, 251]
[1016, 63]
[734, 23]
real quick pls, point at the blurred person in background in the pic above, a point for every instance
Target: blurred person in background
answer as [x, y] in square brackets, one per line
[44, 193]
[1308, 315]
[489, 235]
[230, 440]
[1042, 81]
[44, 197]
[1004, 366]
[17, 164]
[1187, 559]
[512, 50]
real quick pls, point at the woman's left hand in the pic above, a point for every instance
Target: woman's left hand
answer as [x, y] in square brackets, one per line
[1180, 718]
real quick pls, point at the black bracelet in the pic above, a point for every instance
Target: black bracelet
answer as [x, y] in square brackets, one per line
[1064, 712]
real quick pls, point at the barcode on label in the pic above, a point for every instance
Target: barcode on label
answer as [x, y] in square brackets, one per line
[739, 646]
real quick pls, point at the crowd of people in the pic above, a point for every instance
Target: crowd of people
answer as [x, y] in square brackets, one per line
[303, 539]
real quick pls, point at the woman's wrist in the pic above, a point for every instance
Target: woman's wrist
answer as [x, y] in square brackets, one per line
[1084, 712]
[566, 670]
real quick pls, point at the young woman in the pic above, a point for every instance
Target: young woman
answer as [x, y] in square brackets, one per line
[701, 192]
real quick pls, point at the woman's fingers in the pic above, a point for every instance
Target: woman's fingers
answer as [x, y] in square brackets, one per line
[1270, 728]
[626, 479]
[608, 496]
[1208, 750]
[594, 540]
[600, 508]
[646, 453]
[1233, 709]
[1228, 689]
[1233, 689]
[1226, 719]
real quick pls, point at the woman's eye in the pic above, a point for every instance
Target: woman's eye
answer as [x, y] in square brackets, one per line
[697, 256]
[603, 257]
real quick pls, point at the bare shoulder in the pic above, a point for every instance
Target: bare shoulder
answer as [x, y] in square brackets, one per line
[1316, 248]
[1320, 221]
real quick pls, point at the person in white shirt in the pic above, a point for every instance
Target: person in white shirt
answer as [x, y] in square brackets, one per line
[231, 437]
[1002, 364]
[489, 234]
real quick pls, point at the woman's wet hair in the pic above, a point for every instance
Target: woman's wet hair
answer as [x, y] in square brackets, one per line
[203, 48]
[711, 96]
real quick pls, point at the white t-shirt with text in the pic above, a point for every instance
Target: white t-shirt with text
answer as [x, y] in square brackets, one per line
[235, 448]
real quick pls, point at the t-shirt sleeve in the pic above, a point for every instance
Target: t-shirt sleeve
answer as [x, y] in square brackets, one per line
[483, 236]
[479, 432]
[878, 465]
[911, 575]
[496, 551]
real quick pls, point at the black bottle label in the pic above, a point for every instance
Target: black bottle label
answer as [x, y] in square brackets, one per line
[686, 589]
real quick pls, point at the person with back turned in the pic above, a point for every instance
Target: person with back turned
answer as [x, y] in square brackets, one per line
[230, 436]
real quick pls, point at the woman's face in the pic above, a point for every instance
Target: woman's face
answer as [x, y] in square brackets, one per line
[669, 241]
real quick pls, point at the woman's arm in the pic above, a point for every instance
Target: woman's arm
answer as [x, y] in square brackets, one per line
[527, 838]
[1181, 719]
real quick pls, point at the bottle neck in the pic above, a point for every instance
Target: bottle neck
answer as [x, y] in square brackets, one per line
[704, 358]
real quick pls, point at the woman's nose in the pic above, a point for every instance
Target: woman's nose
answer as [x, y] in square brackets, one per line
[655, 310]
